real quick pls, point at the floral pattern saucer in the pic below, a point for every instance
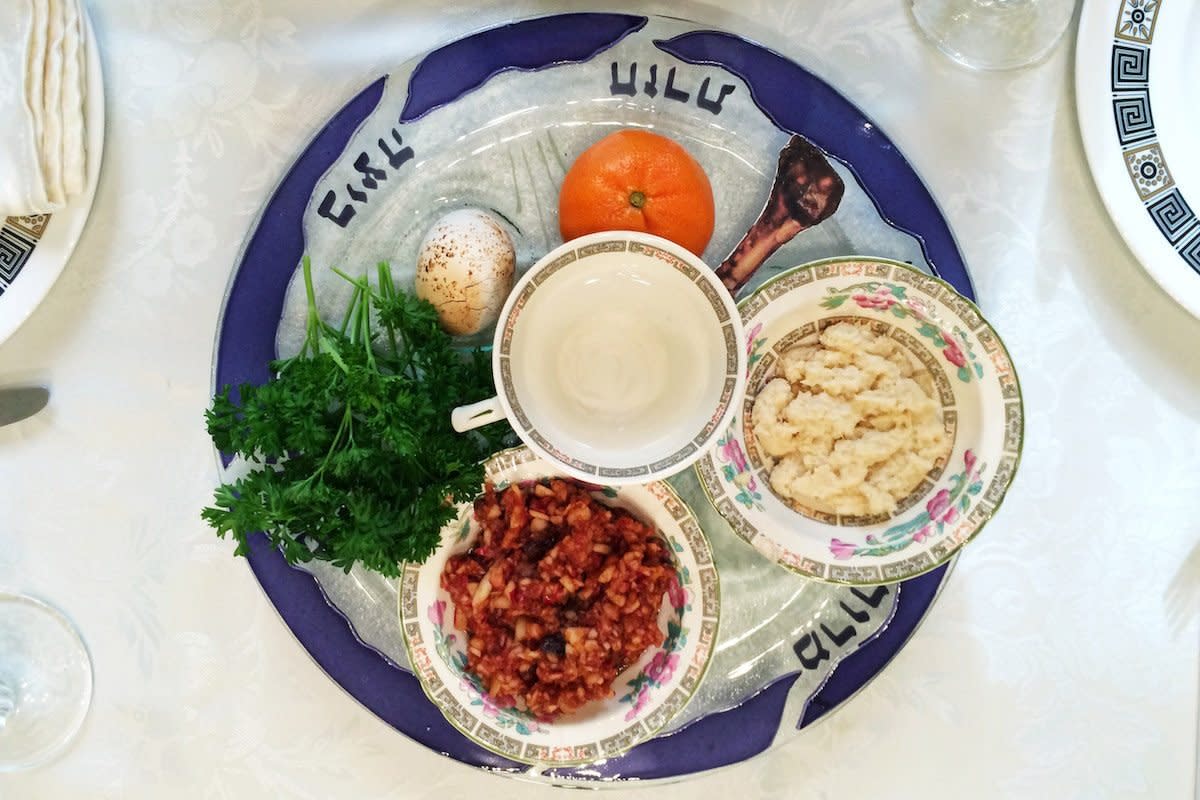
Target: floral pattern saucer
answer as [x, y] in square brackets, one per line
[976, 385]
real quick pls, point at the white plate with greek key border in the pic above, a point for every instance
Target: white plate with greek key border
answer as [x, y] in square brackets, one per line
[645, 697]
[971, 375]
[35, 249]
[1138, 99]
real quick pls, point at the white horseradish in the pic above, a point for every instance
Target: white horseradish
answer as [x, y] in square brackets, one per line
[610, 359]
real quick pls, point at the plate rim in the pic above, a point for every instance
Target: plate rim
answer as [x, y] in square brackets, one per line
[952, 554]
[1164, 264]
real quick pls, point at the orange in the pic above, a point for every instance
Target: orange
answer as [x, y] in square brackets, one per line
[635, 180]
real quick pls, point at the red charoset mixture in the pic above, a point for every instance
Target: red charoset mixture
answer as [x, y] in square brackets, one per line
[558, 597]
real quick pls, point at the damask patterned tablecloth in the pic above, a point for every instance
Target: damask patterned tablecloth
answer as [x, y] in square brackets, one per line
[1061, 660]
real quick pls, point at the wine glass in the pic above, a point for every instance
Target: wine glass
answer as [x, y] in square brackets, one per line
[45, 681]
[994, 34]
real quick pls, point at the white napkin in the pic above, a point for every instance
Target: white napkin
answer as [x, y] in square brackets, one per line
[43, 156]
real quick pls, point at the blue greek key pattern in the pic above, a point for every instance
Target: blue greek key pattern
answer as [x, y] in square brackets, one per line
[1190, 251]
[18, 238]
[1134, 119]
[1173, 216]
[1130, 67]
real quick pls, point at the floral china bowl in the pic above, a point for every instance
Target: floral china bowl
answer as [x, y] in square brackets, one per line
[645, 697]
[973, 379]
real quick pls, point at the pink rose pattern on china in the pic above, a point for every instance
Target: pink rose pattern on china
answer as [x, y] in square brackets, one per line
[661, 667]
[882, 298]
[752, 340]
[677, 596]
[840, 549]
[754, 346]
[660, 670]
[938, 508]
[893, 299]
[501, 709]
[437, 612]
[952, 351]
[735, 469]
[942, 509]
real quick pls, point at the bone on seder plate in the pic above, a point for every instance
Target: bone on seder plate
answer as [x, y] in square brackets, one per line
[805, 193]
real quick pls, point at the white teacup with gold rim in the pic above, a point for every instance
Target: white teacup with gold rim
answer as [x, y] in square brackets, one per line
[618, 356]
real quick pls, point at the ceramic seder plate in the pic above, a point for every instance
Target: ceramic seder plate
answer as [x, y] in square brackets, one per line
[35, 249]
[493, 120]
[1139, 108]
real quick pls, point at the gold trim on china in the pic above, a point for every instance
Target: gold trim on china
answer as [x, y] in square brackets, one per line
[1151, 151]
[31, 226]
[1152, 12]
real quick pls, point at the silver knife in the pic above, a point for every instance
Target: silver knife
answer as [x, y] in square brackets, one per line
[20, 402]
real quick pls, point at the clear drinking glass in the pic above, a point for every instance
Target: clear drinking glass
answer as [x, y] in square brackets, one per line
[45, 682]
[994, 34]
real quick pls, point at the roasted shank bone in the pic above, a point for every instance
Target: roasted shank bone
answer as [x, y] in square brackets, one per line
[806, 192]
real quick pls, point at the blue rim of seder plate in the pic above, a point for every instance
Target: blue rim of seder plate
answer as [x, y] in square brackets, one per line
[254, 303]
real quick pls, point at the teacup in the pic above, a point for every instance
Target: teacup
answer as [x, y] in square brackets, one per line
[618, 356]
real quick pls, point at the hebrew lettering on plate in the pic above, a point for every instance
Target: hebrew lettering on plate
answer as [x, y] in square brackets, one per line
[810, 648]
[671, 93]
[713, 105]
[396, 158]
[856, 614]
[370, 176]
[622, 85]
[651, 86]
[840, 638]
[878, 593]
[628, 87]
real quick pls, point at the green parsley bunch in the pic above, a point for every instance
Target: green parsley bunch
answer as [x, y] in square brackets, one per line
[354, 459]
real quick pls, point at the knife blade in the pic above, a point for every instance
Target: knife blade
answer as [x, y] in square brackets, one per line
[20, 402]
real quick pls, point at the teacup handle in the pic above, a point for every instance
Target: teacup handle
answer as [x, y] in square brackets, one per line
[466, 418]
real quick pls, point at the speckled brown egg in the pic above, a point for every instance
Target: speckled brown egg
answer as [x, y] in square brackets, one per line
[465, 269]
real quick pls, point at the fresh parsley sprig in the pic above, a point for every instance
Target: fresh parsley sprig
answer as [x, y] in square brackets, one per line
[353, 456]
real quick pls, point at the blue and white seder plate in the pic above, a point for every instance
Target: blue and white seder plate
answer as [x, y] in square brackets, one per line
[493, 120]
[1136, 69]
[35, 249]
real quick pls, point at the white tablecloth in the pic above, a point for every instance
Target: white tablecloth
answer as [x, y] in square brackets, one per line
[1061, 661]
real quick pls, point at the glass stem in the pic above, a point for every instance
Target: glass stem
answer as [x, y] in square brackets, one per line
[8, 703]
